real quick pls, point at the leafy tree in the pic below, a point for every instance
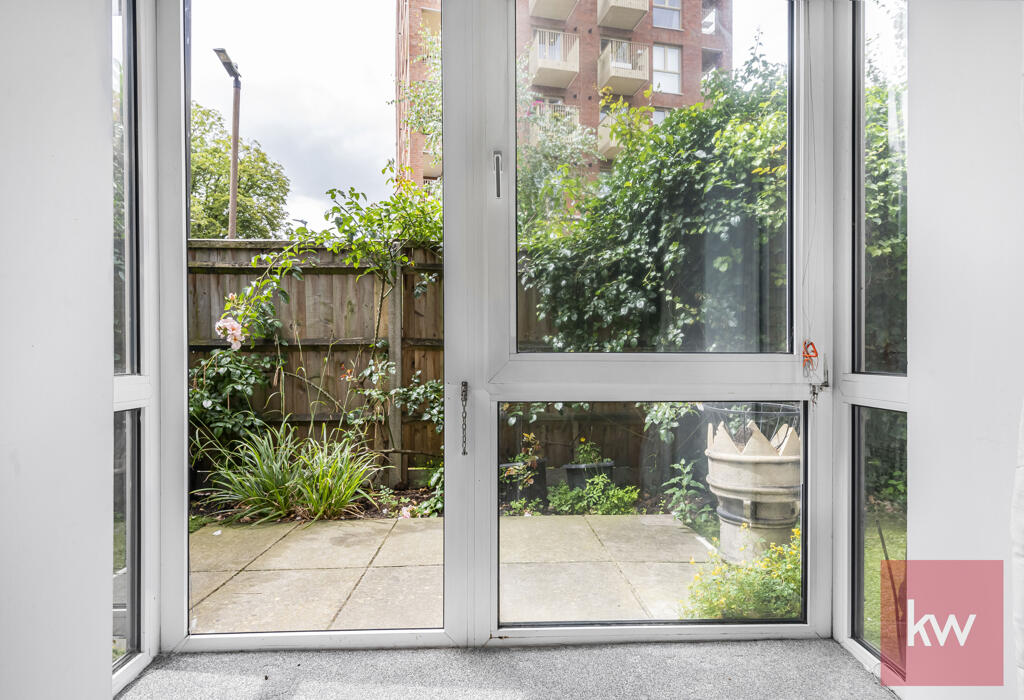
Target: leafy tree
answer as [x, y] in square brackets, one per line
[262, 185]
[664, 251]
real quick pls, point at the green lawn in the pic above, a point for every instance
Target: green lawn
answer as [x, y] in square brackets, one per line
[894, 529]
[119, 544]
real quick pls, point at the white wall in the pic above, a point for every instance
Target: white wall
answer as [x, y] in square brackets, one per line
[56, 354]
[966, 286]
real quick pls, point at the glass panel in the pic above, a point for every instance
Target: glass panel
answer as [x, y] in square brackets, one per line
[126, 529]
[881, 516]
[316, 403]
[881, 308]
[648, 512]
[125, 321]
[641, 237]
[667, 19]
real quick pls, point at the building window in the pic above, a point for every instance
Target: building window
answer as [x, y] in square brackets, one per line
[880, 512]
[710, 60]
[659, 115]
[667, 70]
[125, 221]
[709, 17]
[666, 14]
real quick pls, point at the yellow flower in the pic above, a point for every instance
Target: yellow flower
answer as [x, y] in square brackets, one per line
[583, 439]
[692, 560]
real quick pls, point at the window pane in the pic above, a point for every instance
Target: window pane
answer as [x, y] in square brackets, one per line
[124, 190]
[881, 308]
[665, 239]
[126, 529]
[881, 516]
[667, 19]
[334, 380]
[666, 82]
[648, 512]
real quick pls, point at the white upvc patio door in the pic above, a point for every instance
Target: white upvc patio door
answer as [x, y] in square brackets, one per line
[485, 340]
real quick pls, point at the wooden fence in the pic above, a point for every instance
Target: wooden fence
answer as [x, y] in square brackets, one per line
[328, 326]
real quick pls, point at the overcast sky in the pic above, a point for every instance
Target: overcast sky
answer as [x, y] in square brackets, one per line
[318, 76]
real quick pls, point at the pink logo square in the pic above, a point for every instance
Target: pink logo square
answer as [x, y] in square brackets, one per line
[942, 622]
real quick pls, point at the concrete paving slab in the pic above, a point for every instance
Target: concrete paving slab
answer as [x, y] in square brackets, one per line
[661, 587]
[333, 544]
[566, 592]
[275, 601]
[548, 538]
[203, 583]
[647, 538]
[413, 542]
[395, 598]
[220, 547]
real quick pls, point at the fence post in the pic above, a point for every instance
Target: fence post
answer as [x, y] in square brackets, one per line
[395, 316]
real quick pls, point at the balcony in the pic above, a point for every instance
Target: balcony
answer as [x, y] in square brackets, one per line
[431, 165]
[607, 146]
[546, 114]
[621, 14]
[624, 67]
[554, 58]
[552, 9]
[709, 23]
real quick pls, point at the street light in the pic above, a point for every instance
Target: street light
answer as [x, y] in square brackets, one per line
[232, 69]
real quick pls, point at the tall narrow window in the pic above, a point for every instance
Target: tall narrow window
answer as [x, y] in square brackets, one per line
[709, 17]
[125, 228]
[880, 309]
[126, 433]
[126, 535]
[666, 14]
[667, 69]
[880, 513]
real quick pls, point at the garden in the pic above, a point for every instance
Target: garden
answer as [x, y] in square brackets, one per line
[316, 367]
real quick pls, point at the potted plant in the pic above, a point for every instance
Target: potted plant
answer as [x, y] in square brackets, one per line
[587, 462]
[523, 476]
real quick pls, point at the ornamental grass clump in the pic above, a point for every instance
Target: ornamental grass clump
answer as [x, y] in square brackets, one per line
[765, 588]
[272, 474]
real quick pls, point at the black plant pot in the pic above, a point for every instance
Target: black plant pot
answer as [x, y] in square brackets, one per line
[576, 475]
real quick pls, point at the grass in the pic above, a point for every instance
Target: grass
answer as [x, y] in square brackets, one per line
[894, 529]
[198, 522]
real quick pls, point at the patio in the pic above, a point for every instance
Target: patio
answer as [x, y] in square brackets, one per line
[387, 573]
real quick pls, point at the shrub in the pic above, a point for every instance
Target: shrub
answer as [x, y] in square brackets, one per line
[220, 389]
[769, 587]
[599, 497]
[586, 452]
[270, 474]
[686, 499]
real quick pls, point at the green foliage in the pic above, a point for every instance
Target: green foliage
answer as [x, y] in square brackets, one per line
[885, 229]
[262, 185]
[599, 497]
[665, 416]
[686, 499]
[423, 97]
[425, 398]
[271, 473]
[767, 588]
[884, 451]
[661, 254]
[434, 504]
[525, 508]
[220, 390]
[586, 452]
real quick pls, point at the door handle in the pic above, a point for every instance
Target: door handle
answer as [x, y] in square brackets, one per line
[498, 170]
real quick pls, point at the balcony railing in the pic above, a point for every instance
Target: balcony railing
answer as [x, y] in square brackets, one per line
[624, 67]
[552, 9]
[709, 25]
[607, 146]
[621, 14]
[547, 112]
[554, 58]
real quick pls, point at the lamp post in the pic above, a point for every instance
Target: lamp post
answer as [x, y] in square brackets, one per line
[232, 69]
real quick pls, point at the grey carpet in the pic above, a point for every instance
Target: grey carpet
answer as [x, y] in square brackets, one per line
[763, 669]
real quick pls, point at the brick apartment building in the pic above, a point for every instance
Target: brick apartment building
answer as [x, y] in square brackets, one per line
[576, 48]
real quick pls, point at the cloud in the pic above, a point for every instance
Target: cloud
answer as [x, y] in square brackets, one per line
[317, 79]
